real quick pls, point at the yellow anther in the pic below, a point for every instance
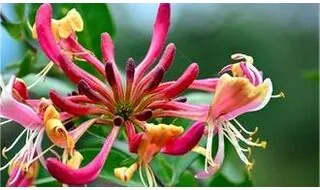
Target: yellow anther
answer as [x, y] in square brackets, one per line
[263, 144]
[280, 95]
[75, 161]
[3, 152]
[56, 131]
[125, 173]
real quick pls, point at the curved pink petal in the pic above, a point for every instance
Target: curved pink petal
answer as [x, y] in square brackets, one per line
[186, 142]
[73, 46]
[134, 139]
[53, 52]
[174, 105]
[45, 37]
[160, 31]
[17, 111]
[86, 174]
[81, 129]
[208, 85]
[182, 83]
[107, 49]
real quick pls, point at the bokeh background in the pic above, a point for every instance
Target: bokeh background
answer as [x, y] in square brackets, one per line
[282, 38]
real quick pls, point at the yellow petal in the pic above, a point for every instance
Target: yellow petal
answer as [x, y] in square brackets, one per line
[125, 173]
[75, 160]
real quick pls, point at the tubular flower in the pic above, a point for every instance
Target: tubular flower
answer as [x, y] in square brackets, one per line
[141, 97]
[235, 95]
[126, 103]
[38, 117]
[163, 138]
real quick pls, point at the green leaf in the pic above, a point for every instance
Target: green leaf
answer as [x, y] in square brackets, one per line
[20, 10]
[15, 30]
[187, 180]
[221, 181]
[180, 165]
[27, 63]
[311, 75]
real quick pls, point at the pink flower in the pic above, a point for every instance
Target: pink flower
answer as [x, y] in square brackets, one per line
[38, 117]
[131, 104]
[245, 92]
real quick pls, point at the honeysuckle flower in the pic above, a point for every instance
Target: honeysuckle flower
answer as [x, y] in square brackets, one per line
[168, 139]
[131, 104]
[245, 91]
[38, 117]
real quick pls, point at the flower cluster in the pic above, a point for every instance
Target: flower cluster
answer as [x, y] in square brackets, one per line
[126, 103]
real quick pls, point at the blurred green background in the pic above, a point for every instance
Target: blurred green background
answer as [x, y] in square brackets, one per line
[282, 38]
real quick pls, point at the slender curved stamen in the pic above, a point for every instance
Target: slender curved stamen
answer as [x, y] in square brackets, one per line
[4, 150]
[37, 157]
[42, 74]
[141, 176]
[246, 131]
[280, 95]
[5, 122]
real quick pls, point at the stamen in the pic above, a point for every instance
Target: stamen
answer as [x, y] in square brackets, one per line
[152, 175]
[5, 149]
[5, 122]
[43, 72]
[209, 146]
[149, 176]
[280, 95]
[141, 176]
[55, 153]
[246, 131]
[37, 157]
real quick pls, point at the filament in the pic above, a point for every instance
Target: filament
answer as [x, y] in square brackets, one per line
[246, 131]
[5, 122]
[4, 150]
[141, 176]
[41, 74]
[37, 157]
[280, 95]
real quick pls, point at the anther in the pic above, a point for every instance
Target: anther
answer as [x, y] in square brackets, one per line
[280, 95]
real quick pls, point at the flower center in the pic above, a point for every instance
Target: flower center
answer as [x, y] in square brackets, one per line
[124, 110]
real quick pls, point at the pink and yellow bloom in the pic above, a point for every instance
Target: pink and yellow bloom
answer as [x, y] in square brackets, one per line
[127, 103]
